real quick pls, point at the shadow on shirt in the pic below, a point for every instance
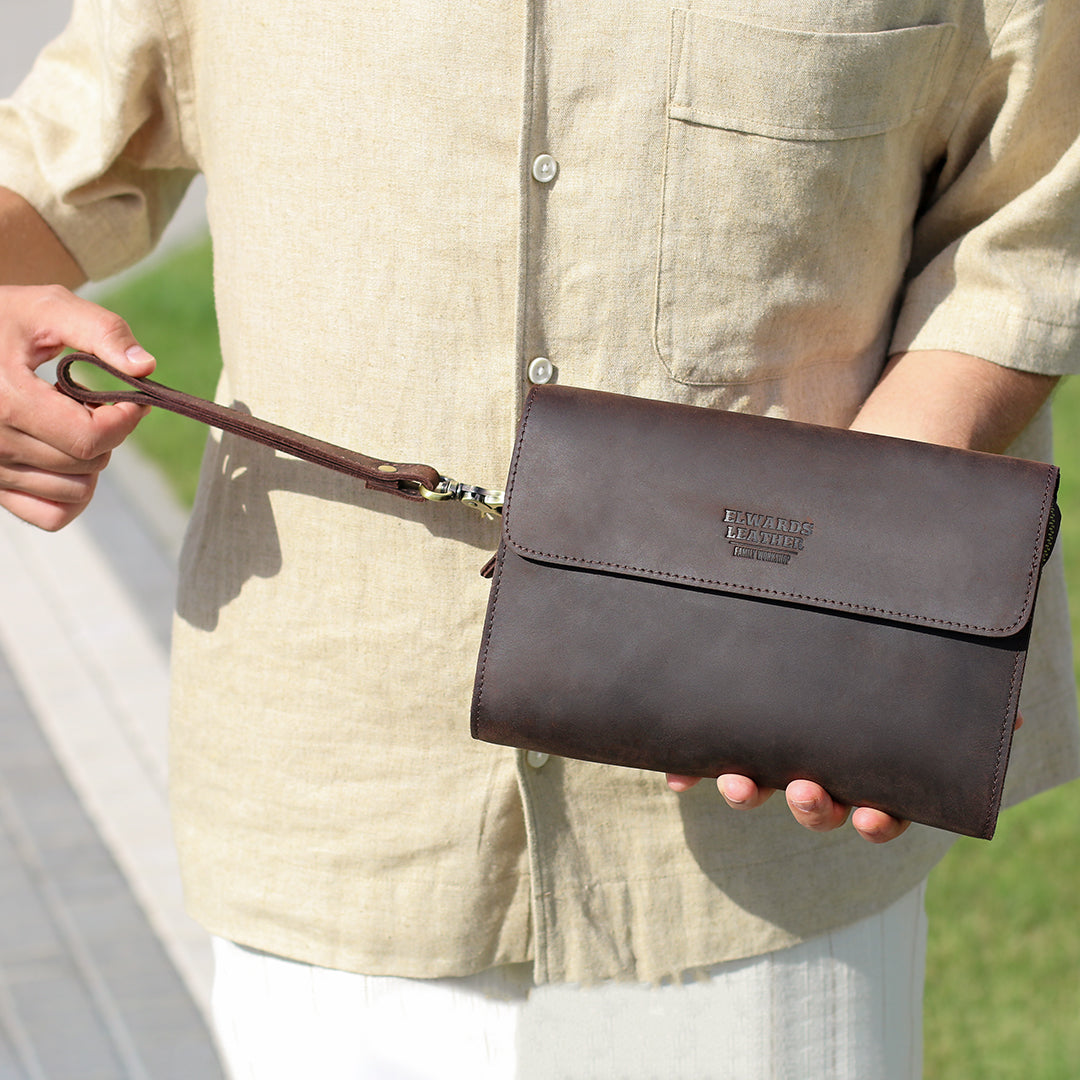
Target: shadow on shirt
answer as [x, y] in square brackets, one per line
[233, 535]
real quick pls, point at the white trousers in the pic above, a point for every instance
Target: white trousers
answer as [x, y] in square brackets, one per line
[844, 1006]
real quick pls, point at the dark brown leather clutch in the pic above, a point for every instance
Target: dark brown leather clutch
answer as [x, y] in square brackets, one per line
[700, 592]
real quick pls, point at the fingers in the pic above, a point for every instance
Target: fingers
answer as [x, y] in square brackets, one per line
[681, 783]
[43, 429]
[741, 793]
[50, 485]
[61, 487]
[810, 804]
[51, 447]
[35, 325]
[738, 791]
[46, 514]
[877, 827]
[813, 807]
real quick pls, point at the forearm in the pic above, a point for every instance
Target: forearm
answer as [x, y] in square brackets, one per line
[30, 253]
[953, 399]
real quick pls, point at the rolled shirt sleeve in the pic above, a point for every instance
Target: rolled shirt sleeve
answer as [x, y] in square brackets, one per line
[995, 265]
[94, 136]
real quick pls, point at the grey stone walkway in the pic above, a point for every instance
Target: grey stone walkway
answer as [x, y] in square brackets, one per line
[102, 975]
[86, 989]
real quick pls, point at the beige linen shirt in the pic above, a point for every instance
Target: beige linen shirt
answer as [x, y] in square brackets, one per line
[750, 204]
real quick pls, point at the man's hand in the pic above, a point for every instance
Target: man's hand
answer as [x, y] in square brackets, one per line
[810, 805]
[52, 449]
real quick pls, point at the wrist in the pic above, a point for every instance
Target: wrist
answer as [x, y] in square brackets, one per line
[953, 399]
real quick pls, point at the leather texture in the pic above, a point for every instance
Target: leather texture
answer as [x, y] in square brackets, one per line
[392, 477]
[692, 591]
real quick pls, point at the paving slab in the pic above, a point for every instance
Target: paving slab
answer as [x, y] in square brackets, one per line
[102, 973]
[87, 988]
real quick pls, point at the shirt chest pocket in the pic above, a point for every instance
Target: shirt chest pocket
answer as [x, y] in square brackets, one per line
[793, 169]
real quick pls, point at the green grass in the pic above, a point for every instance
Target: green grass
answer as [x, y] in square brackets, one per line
[171, 310]
[1067, 450]
[1003, 968]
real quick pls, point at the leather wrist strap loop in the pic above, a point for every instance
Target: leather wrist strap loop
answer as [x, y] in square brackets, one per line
[408, 481]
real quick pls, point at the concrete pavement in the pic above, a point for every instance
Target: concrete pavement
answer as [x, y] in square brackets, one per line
[102, 975]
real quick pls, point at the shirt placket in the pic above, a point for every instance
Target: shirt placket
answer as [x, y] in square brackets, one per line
[581, 178]
[539, 169]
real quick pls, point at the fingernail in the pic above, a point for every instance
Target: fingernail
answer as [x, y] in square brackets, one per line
[138, 355]
[805, 805]
[734, 800]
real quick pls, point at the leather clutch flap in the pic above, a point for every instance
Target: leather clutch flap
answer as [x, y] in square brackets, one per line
[693, 591]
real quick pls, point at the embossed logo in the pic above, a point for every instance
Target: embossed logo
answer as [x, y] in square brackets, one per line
[765, 537]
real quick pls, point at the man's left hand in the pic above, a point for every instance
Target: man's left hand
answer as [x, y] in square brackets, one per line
[810, 804]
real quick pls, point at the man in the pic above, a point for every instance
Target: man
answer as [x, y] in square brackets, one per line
[417, 209]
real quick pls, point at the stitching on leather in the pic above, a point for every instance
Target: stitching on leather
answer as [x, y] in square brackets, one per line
[487, 643]
[490, 620]
[845, 604]
[995, 787]
[757, 590]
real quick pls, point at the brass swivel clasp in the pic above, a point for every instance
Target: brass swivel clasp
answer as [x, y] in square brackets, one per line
[486, 502]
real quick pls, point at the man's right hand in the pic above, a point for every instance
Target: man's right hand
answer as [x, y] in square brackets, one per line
[52, 448]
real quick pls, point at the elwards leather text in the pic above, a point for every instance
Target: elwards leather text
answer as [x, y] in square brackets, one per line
[765, 537]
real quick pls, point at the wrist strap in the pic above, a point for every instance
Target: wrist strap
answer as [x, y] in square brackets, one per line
[407, 481]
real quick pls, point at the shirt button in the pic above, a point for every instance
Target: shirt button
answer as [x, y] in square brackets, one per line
[536, 759]
[544, 168]
[541, 370]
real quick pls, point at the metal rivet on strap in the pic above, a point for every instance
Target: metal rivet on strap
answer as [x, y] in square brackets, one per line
[387, 468]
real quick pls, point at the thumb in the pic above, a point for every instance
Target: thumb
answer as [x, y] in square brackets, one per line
[96, 330]
[51, 318]
[136, 361]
